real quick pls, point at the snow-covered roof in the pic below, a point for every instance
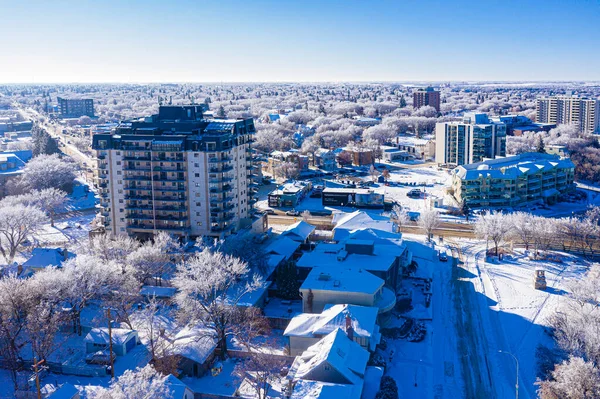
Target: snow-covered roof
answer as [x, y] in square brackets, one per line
[176, 386]
[45, 257]
[512, 167]
[66, 391]
[342, 279]
[364, 321]
[305, 389]
[336, 350]
[18, 158]
[283, 246]
[196, 344]
[299, 231]
[100, 336]
[346, 222]
[372, 380]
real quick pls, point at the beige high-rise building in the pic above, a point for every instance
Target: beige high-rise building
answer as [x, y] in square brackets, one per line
[176, 172]
[581, 112]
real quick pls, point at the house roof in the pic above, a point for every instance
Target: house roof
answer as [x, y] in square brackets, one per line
[196, 344]
[66, 391]
[364, 321]
[338, 351]
[100, 336]
[176, 386]
[299, 231]
[45, 257]
[306, 389]
[342, 280]
[346, 222]
[283, 246]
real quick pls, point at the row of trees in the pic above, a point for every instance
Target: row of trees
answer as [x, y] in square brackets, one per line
[540, 233]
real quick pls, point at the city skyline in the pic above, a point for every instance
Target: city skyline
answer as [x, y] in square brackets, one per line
[266, 41]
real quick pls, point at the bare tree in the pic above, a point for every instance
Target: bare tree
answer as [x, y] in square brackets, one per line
[522, 227]
[429, 220]
[48, 171]
[400, 216]
[139, 383]
[16, 224]
[210, 287]
[574, 378]
[260, 371]
[493, 226]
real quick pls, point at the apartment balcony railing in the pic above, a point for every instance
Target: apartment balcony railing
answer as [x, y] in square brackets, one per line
[168, 179]
[219, 218]
[169, 169]
[220, 179]
[139, 216]
[137, 178]
[137, 157]
[136, 167]
[138, 197]
[221, 229]
[222, 169]
[219, 160]
[171, 208]
[170, 189]
[138, 207]
[170, 199]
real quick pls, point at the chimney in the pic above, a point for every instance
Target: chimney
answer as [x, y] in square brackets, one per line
[349, 329]
[19, 269]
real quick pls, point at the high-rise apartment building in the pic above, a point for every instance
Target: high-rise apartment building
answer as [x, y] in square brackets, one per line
[429, 96]
[68, 108]
[582, 112]
[176, 172]
[475, 138]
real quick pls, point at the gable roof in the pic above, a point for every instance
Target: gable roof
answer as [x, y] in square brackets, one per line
[100, 336]
[45, 257]
[194, 344]
[347, 222]
[336, 350]
[284, 246]
[66, 391]
[364, 321]
[306, 389]
[176, 386]
[299, 231]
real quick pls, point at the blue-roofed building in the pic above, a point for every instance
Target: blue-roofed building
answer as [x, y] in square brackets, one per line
[513, 181]
[11, 166]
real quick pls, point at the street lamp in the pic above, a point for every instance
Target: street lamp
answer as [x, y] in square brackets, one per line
[517, 361]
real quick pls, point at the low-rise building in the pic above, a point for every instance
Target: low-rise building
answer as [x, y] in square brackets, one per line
[325, 159]
[513, 181]
[289, 194]
[123, 340]
[11, 166]
[277, 158]
[394, 154]
[419, 148]
[359, 197]
[360, 156]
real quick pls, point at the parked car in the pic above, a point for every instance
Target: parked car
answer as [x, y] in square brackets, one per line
[269, 212]
[443, 257]
[414, 193]
[292, 212]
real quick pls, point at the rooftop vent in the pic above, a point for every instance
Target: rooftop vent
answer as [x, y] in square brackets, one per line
[324, 277]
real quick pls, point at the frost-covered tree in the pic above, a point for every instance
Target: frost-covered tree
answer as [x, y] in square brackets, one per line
[151, 260]
[260, 371]
[48, 171]
[210, 286]
[287, 170]
[141, 383]
[429, 220]
[493, 226]
[49, 200]
[400, 216]
[111, 248]
[522, 227]
[574, 378]
[16, 224]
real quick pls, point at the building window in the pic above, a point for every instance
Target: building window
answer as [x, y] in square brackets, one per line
[196, 155]
[118, 162]
[118, 153]
[199, 223]
[197, 213]
[118, 172]
[197, 204]
[120, 202]
[196, 165]
[197, 174]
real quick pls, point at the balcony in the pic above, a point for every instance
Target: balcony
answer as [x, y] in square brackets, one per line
[222, 169]
[136, 167]
[138, 197]
[169, 169]
[170, 199]
[386, 300]
[137, 158]
[159, 158]
[168, 179]
[218, 160]
[176, 189]
[139, 216]
[221, 229]
[215, 218]
[137, 178]
[171, 208]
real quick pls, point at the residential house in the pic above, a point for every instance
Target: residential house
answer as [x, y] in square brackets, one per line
[325, 159]
[65, 391]
[306, 329]
[179, 390]
[299, 231]
[344, 285]
[419, 148]
[42, 258]
[359, 197]
[276, 158]
[195, 350]
[393, 154]
[360, 156]
[123, 340]
[11, 166]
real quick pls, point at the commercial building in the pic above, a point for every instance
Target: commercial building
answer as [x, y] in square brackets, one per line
[516, 125]
[428, 96]
[419, 148]
[513, 181]
[569, 110]
[176, 172]
[359, 197]
[474, 138]
[289, 194]
[70, 108]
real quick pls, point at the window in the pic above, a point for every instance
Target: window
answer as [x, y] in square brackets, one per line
[120, 202]
[197, 213]
[118, 172]
[197, 194]
[197, 204]
[196, 165]
[118, 162]
[199, 223]
[196, 174]
[119, 181]
[196, 155]
[120, 191]
[197, 184]
[118, 153]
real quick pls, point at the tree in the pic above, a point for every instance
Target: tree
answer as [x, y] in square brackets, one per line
[287, 170]
[260, 371]
[540, 145]
[493, 226]
[429, 220]
[210, 286]
[574, 378]
[14, 302]
[288, 286]
[402, 102]
[16, 224]
[111, 248]
[221, 112]
[48, 171]
[43, 143]
[387, 388]
[465, 210]
[141, 383]
[400, 216]
[49, 200]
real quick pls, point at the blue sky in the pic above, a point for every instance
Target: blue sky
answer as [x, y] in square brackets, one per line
[287, 40]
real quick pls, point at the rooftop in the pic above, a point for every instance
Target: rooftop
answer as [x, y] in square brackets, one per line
[342, 279]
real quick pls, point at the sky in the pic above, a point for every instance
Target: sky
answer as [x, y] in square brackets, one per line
[87, 41]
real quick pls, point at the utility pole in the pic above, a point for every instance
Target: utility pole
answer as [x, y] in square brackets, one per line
[37, 376]
[110, 348]
[517, 361]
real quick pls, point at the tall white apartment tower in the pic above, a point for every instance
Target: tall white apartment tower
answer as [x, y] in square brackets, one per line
[176, 172]
[578, 111]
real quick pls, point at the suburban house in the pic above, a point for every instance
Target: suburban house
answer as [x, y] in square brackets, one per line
[418, 148]
[325, 159]
[344, 285]
[65, 391]
[123, 340]
[299, 231]
[276, 158]
[42, 258]
[178, 388]
[195, 350]
[335, 359]
[360, 156]
[345, 223]
[306, 329]
[393, 154]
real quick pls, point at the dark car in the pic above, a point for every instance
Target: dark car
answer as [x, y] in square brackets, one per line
[443, 257]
